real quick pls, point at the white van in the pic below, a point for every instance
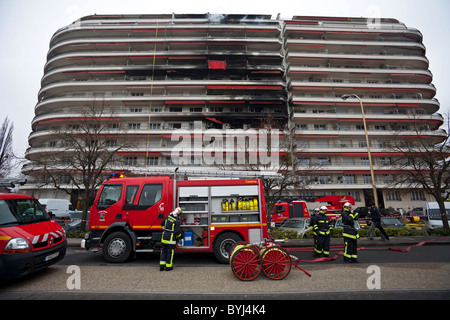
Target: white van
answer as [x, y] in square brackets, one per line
[60, 208]
[433, 218]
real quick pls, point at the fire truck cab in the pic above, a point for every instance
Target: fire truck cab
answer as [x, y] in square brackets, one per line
[127, 213]
[284, 210]
[336, 204]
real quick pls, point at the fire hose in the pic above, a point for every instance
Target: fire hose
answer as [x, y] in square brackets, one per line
[326, 259]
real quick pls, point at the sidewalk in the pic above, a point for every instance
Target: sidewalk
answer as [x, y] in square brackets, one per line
[364, 242]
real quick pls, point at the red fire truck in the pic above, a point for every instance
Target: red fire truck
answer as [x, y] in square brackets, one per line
[29, 240]
[127, 212]
[299, 209]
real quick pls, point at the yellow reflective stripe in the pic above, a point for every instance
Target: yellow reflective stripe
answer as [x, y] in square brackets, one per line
[6, 238]
[349, 235]
[100, 227]
[170, 264]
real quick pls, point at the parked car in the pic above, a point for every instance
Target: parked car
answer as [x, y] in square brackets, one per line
[339, 224]
[75, 225]
[387, 212]
[301, 225]
[391, 223]
[433, 217]
[59, 208]
[417, 212]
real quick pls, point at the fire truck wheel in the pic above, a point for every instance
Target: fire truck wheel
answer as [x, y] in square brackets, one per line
[117, 247]
[223, 245]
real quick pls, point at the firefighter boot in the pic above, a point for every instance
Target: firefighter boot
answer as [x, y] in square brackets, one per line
[169, 268]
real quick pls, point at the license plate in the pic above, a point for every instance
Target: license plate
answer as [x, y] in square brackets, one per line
[52, 256]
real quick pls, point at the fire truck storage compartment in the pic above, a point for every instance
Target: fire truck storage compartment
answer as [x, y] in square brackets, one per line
[225, 204]
[194, 201]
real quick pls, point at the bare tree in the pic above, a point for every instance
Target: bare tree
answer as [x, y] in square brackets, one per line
[6, 148]
[85, 149]
[424, 162]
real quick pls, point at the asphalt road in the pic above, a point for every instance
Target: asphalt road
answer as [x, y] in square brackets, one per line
[422, 273]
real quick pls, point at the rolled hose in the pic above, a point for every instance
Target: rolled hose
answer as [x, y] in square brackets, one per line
[236, 248]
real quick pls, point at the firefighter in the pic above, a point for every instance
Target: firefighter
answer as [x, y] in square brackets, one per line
[312, 222]
[171, 232]
[322, 229]
[350, 234]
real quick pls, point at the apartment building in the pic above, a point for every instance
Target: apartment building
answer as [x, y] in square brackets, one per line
[154, 76]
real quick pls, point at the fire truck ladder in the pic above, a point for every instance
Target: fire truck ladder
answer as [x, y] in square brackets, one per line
[210, 173]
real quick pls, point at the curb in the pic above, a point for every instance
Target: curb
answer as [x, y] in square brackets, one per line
[377, 242]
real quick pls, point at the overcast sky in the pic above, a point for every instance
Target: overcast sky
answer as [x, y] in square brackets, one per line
[26, 27]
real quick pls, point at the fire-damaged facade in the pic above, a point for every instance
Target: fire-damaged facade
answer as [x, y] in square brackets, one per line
[146, 78]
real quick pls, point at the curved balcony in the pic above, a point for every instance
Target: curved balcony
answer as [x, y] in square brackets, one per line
[299, 73]
[160, 44]
[419, 91]
[361, 47]
[345, 60]
[197, 68]
[353, 32]
[428, 106]
[164, 29]
[145, 58]
[158, 87]
[81, 100]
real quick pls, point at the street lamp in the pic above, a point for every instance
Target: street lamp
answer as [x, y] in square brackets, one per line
[375, 195]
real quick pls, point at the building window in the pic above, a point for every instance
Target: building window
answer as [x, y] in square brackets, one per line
[134, 126]
[385, 161]
[355, 195]
[367, 178]
[324, 161]
[362, 144]
[304, 162]
[153, 161]
[111, 143]
[365, 161]
[349, 179]
[324, 179]
[393, 196]
[320, 127]
[174, 125]
[417, 195]
[130, 161]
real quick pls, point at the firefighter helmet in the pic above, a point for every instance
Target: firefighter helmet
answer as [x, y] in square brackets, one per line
[324, 208]
[347, 204]
[177, 212]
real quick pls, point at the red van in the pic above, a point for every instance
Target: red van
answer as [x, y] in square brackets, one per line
[29, 239]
